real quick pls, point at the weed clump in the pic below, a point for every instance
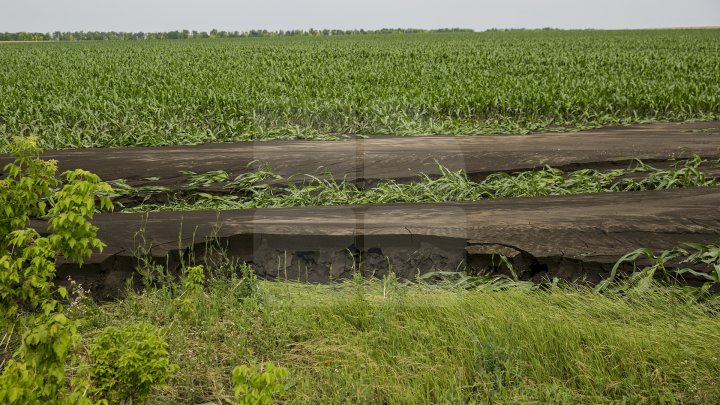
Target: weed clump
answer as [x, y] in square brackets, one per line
[128, 362]
[258, 385]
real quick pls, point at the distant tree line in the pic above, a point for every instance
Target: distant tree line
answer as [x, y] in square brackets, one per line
[187, 34]
[531, 29]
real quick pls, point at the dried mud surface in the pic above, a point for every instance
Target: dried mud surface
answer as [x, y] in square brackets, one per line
[401, 158]
[576, 238]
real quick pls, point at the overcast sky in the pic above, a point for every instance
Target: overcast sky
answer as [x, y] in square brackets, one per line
[241, 15]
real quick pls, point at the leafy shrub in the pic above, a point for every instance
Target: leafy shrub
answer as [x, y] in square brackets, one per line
[27, 261]
[36, 373]
[258, 386]
[193, 281]
[128, 362]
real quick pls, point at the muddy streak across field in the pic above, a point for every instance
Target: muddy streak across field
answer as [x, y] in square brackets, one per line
[577, 238]
[401, 158]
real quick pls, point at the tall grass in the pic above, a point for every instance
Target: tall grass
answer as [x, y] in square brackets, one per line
[370, 342]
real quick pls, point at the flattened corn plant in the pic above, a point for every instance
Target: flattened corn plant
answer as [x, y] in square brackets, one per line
[264, 189]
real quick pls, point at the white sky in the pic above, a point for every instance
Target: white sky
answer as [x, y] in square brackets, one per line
[242, 15]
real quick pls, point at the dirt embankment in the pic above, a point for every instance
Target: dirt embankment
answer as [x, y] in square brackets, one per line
[576, 238]
[401, 158]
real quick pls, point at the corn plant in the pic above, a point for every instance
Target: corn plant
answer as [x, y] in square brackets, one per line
[669, 267]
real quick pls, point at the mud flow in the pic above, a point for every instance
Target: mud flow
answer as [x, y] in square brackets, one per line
[574, 237]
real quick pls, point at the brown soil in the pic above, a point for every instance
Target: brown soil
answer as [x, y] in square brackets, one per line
[577, 238]
[401, 158]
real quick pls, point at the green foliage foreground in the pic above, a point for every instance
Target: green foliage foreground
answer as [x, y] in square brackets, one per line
[363, 341]
[370, 342]
[127, 362]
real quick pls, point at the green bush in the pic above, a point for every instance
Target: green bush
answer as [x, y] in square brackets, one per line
[128, 362]
[258, 386]
[27, 259]
[37, 371]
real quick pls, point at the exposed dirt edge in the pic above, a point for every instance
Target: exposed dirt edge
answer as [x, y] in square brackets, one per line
[401, 158]
[576, 238]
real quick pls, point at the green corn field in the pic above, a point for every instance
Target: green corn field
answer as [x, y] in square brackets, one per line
[123, 93]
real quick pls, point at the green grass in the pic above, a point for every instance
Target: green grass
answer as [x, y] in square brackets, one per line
[124, 93]
[264, 189]
[386, 342]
